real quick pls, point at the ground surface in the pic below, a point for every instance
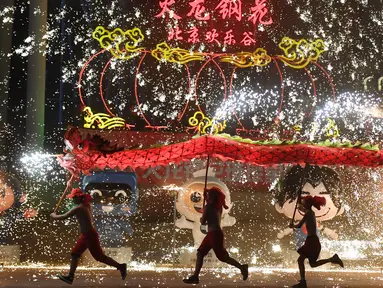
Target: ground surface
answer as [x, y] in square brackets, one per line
[166, 277]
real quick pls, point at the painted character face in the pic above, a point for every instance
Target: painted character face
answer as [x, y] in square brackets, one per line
[327, 212]
[110, 199]
[320, 181]
[190, 200]
[194, 198]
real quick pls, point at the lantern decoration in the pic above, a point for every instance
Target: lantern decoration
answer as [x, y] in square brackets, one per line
[101, 120]
[121, 44]
[205, 125]
[125, 45]
[98, 154]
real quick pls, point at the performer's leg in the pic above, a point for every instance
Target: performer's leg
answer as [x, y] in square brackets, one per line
[203, 249]
[224, 256]
[320, 262]
[244, 268]
[99, 255]
[73, 265]
[77, 251]
[334, 259]
[231, 261]
[301, 265]
[198, 264]
[110, 261]
[194, 279]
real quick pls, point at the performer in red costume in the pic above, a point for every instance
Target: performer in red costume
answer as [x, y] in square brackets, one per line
[89, 238]
[212, 212]
[312, 246]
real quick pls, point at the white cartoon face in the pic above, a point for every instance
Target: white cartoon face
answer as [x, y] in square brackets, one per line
[190, 199]
[109, 200]
[326, 212]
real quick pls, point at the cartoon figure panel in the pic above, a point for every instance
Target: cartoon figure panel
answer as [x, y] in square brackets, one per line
[190, 204]
[318, 181]
[11, 199]
[115, 198]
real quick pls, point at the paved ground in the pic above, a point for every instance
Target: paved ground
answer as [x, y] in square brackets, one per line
[167, 277]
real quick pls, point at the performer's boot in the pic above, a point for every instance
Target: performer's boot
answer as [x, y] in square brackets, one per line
[336, 260]
[67, 279]
[122, 269]
[245, 271]
[301, 284]
[191, 280]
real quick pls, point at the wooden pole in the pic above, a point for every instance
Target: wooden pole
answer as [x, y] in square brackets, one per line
[203, 228]
[305, 171]
[174, 228]
[63, 195]
[207, 172]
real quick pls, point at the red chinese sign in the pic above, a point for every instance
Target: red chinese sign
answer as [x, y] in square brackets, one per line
[229, 8]
[259, 12]
[234, 10]
[197, 9]
[165, 6]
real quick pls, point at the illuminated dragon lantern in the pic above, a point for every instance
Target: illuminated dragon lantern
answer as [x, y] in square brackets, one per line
[82, 153]
[85, 153]
[125, 45]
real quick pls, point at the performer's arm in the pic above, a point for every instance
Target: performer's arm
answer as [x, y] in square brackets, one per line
[204, 215]
[300, 224]
[68, 214]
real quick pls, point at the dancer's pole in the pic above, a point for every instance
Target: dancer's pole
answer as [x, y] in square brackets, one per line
[63, 195]
[207, 172]
[174, 229]
[203, 228]
[300, 187]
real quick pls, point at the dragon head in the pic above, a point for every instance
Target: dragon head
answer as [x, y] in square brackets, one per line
[74, 143]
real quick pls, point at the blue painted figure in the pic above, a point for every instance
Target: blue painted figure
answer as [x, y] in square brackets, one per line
[115, 198]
